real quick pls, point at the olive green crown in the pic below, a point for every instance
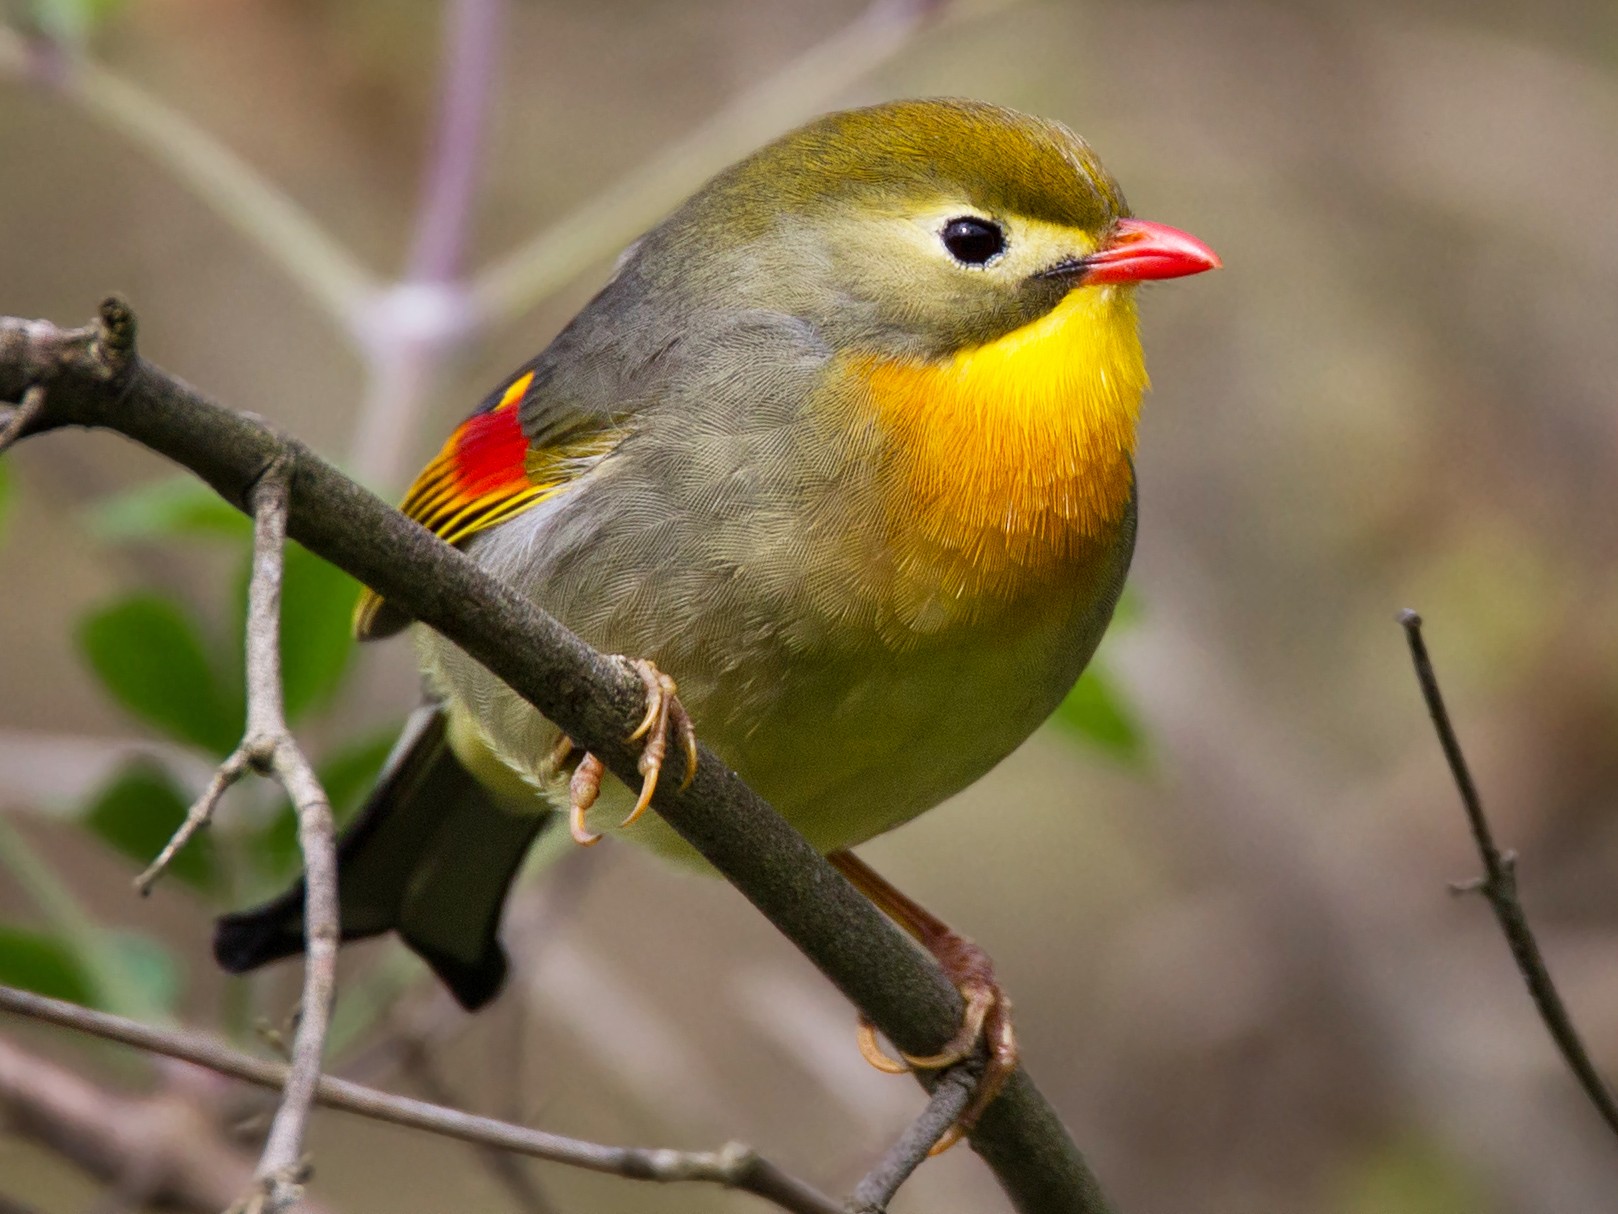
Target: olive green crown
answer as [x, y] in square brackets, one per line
[998, 159]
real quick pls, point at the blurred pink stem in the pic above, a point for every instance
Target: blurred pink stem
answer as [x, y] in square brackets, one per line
[410, 329]
[472, 30]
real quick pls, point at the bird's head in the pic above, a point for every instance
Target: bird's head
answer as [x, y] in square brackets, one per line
[921, 229]
[968, 271]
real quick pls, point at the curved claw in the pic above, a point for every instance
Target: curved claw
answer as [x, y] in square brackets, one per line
[688, 743]
[871, 1050]
[948, 1139]
[582, 791]
[560, 753]
[648, 786]
[660, 690]
[663, 708]
[987, 1019]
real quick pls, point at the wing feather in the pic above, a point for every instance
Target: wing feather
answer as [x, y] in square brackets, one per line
[487, 472]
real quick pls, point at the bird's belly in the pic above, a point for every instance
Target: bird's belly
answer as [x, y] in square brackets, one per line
[845, 740]
[861, 745]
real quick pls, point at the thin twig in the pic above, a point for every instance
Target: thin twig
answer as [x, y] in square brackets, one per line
[1499, 886]
[199, 815]
[910, 1151]
[235, 191]
[281, 1164]
[732, 1166]
[606, 222]
[15, 422]
[268, 746]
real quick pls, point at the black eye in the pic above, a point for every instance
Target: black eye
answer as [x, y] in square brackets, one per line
[972, 240]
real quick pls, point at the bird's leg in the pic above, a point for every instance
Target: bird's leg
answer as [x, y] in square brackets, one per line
[988, 1010]
[663, 710]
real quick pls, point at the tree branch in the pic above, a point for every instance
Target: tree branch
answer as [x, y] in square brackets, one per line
[1499, 885]
[733, 1166]
[93, 380]
[163, 1144]
[280, 753]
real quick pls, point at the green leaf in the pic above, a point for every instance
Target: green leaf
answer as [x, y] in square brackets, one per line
[177, 506]
[42, 964]
[139, 810]
[347, 776]
[1096, 711]
[148, 653]
[150, 965]
[105, 970]
[317, 604]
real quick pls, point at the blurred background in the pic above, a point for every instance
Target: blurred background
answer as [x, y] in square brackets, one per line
[1216, 888]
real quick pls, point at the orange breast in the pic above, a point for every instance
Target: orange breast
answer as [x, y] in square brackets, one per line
[1011, 461]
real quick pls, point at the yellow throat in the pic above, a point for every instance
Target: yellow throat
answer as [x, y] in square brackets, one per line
[1014, 455]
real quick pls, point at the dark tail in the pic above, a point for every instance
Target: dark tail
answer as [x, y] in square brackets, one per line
[430, 856]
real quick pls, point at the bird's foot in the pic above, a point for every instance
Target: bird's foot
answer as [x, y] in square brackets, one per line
[663, 712]
[987, 1018]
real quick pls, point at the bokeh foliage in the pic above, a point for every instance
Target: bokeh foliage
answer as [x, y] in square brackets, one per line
[178, 677]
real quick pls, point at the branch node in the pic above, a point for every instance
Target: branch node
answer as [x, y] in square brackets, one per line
[259, 756]
[113, 350]
[278, 1190]
[736, 1160]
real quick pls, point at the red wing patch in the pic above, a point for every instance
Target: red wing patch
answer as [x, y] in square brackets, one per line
[480, 477]
[486, 473]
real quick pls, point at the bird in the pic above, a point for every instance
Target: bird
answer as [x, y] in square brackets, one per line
[841, 459]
